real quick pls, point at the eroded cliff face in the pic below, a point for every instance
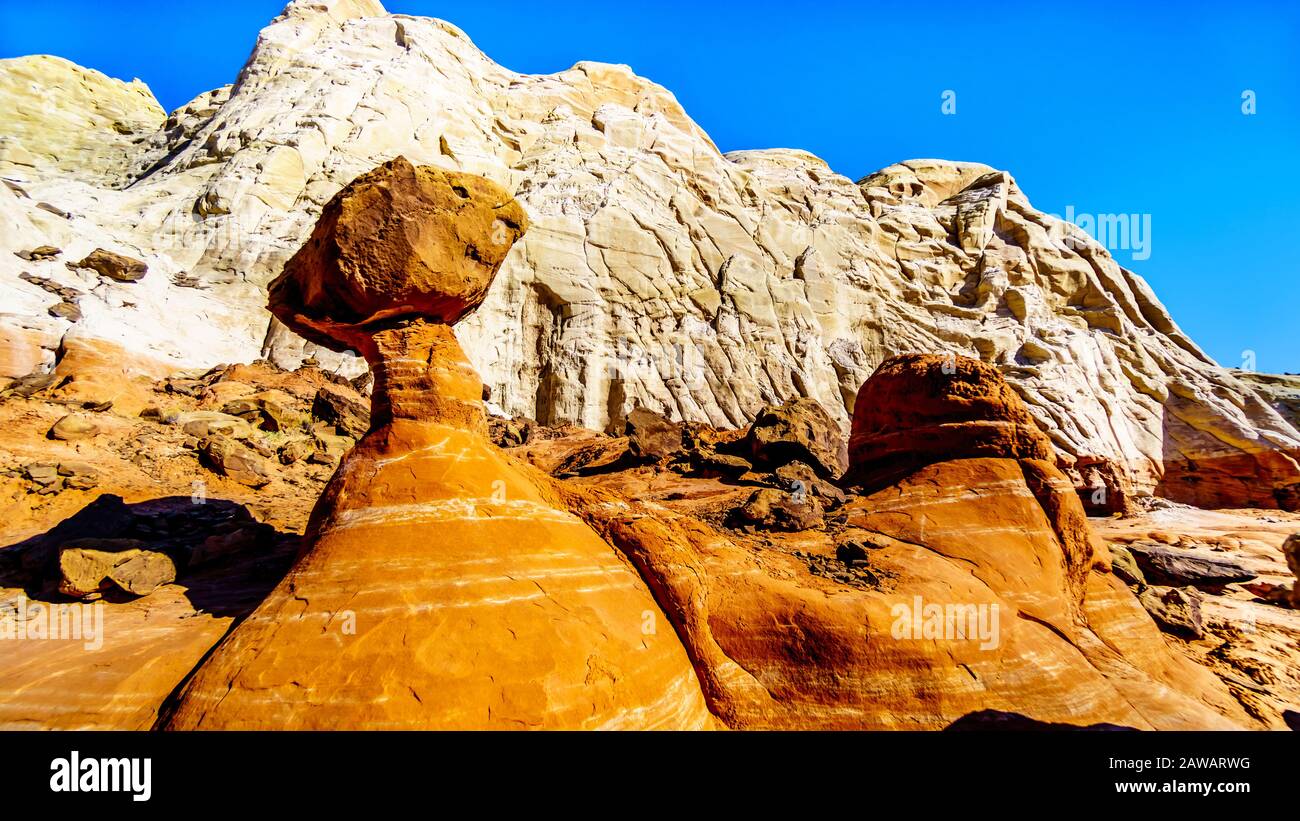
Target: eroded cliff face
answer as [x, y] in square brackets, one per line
[658, 270]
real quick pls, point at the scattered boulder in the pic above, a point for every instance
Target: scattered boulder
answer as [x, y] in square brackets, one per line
[266, 412]
[651, 436]
[296, 449]
[854, 546]
[1179, 567]
[1175, 610]
[42, 473]
[230, 540]
[771, 509]
[348, 415]
[88, 567]
[800, 430]
[798, 478]
[706, 461]
[202, 424]
[1123, 564]
[39, 254]
[72, 427]
[78, 475]
[66, 310]
[185, 386]
[114, 266]
[28, 386]
[328, 449]
[509, 433]
[232, 460]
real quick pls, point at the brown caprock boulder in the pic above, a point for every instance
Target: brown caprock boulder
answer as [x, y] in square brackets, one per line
[439, 586]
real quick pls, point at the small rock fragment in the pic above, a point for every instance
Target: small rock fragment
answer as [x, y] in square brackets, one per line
[72, 427]
[114, 266]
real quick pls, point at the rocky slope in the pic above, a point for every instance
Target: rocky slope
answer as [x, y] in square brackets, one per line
[658, 271]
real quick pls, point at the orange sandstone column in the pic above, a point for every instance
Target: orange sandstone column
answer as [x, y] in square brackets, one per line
[438, 588]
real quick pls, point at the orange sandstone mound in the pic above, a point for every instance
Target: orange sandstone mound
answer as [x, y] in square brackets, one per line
[969, 586]
[438, 586]
[917, 409]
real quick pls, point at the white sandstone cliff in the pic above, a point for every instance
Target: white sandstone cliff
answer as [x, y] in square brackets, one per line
[657, 271]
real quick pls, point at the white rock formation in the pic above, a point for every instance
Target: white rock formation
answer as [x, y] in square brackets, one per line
[658, 270]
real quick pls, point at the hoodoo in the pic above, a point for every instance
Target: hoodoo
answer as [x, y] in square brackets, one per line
[967, 579]
[439, 587]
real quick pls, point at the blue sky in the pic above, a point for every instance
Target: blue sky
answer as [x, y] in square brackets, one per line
[1108, 108]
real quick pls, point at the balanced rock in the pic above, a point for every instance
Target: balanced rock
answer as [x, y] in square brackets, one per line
[439, 586]
[399, 241]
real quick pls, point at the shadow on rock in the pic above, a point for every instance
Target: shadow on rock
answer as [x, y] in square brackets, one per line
[1000, 721]
[110, 550]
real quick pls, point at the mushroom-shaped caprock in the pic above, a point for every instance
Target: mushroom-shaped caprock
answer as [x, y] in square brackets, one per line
[399, 242]
[397, 257]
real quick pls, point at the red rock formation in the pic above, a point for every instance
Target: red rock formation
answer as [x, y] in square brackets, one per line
[918, 409]
[444, 584]
[439, 587]
[980, 524]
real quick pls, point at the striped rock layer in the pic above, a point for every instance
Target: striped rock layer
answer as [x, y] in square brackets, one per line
[442, 589]
[1030, 619]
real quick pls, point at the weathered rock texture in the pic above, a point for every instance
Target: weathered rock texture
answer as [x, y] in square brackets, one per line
[919, 409]
[439, 587]
[998, 532]
[659, 271]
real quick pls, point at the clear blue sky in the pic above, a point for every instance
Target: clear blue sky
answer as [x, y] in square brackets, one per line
[1107, 107]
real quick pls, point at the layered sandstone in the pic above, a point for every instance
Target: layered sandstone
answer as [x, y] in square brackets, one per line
[994, 530]
[439, 587]
[771, 620]
[659, 271]
[916, 410]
